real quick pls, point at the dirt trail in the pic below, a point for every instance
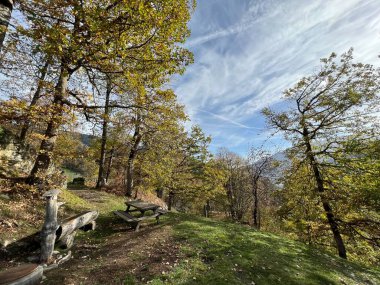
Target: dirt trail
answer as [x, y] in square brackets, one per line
[114, 253]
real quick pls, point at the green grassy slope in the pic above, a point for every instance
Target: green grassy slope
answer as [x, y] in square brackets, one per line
[185, 249]
[224, 253]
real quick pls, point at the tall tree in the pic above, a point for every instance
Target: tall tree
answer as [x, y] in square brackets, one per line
[237, 184]
[6, 7]
[106, 116]
[329, 106]
[259, 163]
[80, 35]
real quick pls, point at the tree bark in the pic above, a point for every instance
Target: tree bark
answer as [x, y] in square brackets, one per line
[160, 192]
[43, 160]
[170, 200]
[35, 98]
[110, 164]
[6, 7]
[101, 173]
[207, 209]
[255, 211]
[325, 203]
[131, 158]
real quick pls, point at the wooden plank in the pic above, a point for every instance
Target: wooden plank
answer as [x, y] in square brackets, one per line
[141, 205]
[147, 217]
[130, 218]
[125, 216]
[25, 274]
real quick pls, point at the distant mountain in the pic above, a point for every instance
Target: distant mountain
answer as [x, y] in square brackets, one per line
[87, 139]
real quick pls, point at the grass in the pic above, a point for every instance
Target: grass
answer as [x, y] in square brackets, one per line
[225, 253]
[70, 174]
[196, 251]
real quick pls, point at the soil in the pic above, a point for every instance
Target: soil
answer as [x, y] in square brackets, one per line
[114, 253]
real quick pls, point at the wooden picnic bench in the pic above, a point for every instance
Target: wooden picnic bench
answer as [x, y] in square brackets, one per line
[142, 207]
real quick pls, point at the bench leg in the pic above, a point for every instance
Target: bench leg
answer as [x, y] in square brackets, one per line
[137, 227]
[157, 219]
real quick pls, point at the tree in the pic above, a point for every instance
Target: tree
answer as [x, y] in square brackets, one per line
[237, 184]
[79, 35]
[6, 7]
[259, 163]
[330, 106]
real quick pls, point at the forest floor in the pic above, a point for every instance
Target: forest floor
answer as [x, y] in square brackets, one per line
[185, 249]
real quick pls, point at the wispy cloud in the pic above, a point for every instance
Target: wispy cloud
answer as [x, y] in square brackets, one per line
[248, 51]
[230, 121]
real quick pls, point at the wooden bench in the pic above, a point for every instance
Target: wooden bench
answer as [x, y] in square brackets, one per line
[136, 221]
[66, 231]
[25, 274]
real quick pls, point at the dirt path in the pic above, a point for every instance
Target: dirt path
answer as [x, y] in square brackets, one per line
[113, 253]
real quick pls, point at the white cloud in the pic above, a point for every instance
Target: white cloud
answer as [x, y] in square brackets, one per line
[247, 52]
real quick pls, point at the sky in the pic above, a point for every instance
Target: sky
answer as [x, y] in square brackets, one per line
[247, 52]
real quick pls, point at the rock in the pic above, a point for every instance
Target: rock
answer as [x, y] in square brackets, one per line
[15, 158]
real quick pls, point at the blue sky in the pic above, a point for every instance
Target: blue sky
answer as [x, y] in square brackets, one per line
[248, 51]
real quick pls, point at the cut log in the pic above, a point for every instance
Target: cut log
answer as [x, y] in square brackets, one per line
[70, 225]
[48, 233]
[27, 274]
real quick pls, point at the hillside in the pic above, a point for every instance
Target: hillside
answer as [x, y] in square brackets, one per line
[185, 249]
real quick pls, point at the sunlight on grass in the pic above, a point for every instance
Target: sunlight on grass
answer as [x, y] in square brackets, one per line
[225, 253]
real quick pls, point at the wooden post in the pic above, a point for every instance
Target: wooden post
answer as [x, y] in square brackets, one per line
[50, 226]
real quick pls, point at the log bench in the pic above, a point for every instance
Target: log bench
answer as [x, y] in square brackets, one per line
[66, 231]
[27, 274]
[136, 221]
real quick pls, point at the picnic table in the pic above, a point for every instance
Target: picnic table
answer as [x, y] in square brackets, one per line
[142, 207]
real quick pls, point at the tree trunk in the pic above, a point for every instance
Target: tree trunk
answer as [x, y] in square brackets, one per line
[101, 173]
[325, 203]
[131, 158]
[255, 206]
[170, 200]
[231, 204]
[160, 192]
[35, 98]
[109, 164]
[207, 209]
[50, 227]
[43, 160]
[6, 7]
